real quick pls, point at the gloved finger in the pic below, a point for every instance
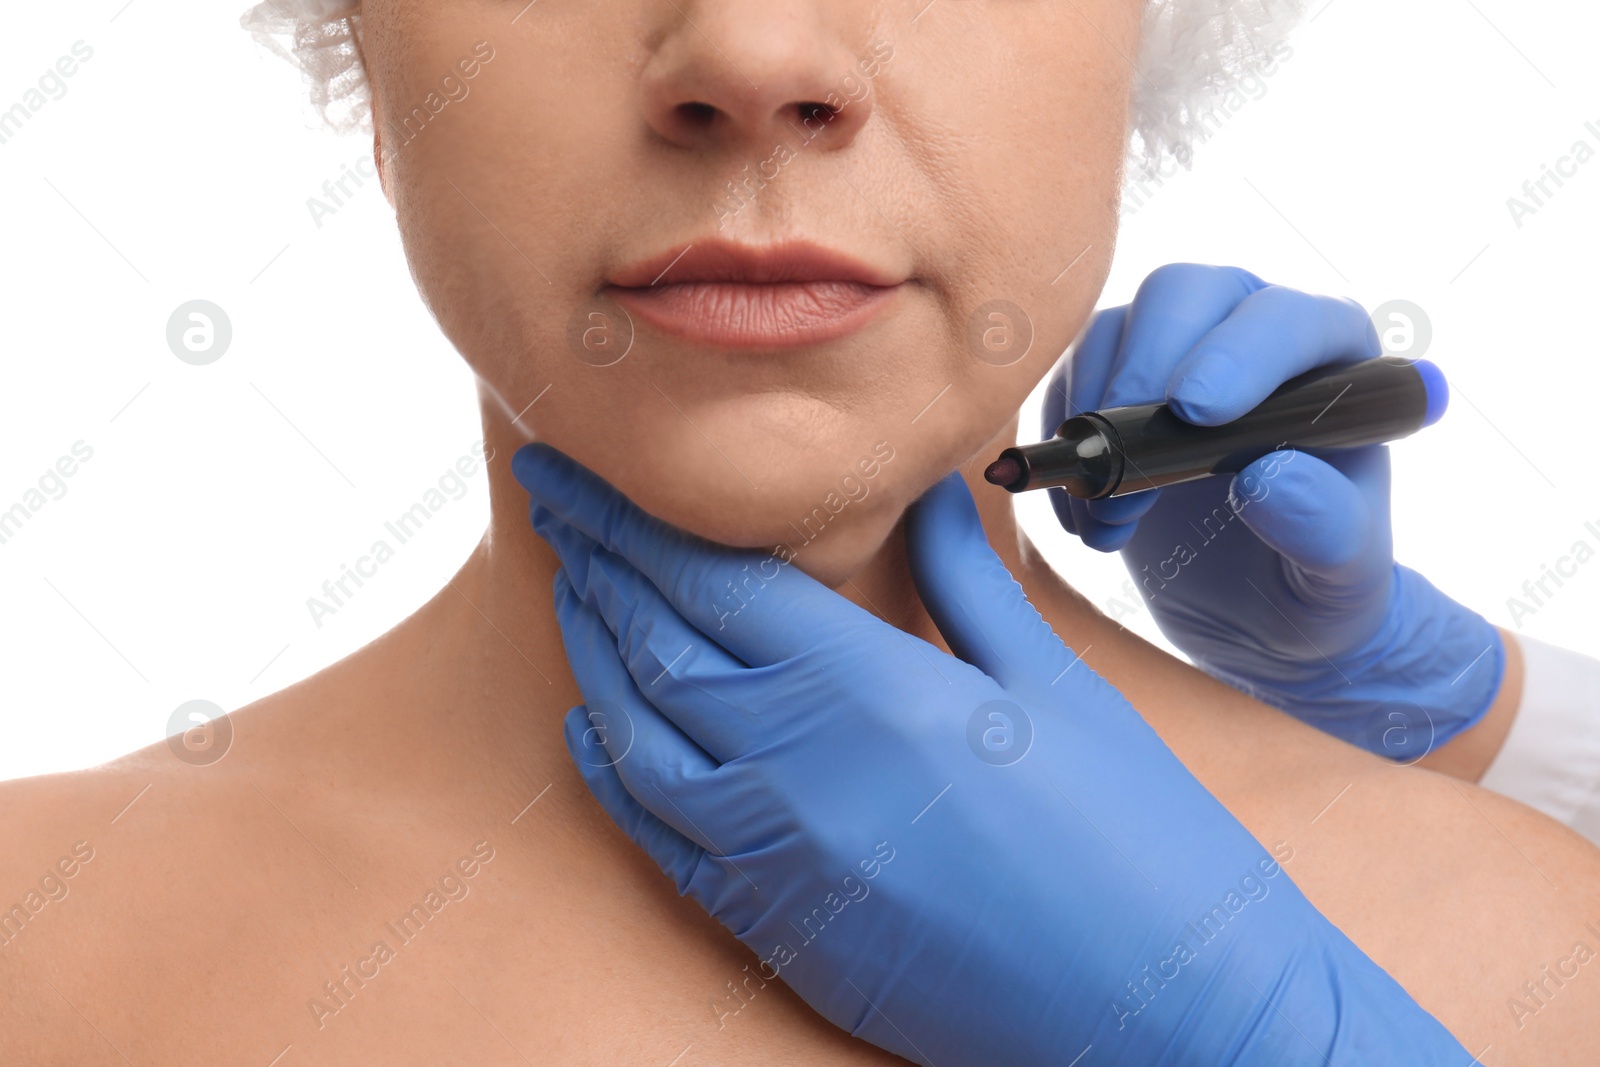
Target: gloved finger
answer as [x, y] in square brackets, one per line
[1084, 374]
[1175, 307]
[1105, 537]
[1086, 371]
[1061, 504]
[720, 704]
[1313, 515]
[1052, 413]
[1121, 510]
[979, 608]
[1273, 335]
[660, 767]
[1108, 524]
[676, 855]
[1053, 407]
[572, 546]
[700, 579]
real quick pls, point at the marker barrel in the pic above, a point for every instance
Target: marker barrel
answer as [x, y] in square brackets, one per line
[1144, 446]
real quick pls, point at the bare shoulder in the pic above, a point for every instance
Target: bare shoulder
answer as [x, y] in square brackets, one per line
[38, 814]
[132, 867]
[51, 821]
[54, 834]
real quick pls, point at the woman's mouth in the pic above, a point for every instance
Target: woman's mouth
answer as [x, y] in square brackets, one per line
[729, 295]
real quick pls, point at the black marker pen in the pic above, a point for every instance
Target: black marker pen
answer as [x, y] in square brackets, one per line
[1144, 446]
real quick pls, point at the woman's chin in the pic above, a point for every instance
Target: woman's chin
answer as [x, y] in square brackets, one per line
[836, 557]
[830, 538]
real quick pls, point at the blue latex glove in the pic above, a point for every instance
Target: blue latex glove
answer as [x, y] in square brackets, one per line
[984, 860]
[1280, 581]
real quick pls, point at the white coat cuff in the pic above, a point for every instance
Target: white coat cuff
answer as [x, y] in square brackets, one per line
[1551, 756]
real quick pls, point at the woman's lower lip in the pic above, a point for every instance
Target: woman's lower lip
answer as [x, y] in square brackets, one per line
[756, 315]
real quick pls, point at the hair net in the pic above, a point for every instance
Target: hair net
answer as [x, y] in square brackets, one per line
[321, 37]
[1191, 54]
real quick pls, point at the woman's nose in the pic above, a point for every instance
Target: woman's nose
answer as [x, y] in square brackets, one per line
[754, 72]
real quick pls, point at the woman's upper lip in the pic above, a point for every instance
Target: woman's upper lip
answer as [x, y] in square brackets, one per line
[719, 260]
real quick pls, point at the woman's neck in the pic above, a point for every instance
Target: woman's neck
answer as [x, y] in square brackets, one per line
[464, 683]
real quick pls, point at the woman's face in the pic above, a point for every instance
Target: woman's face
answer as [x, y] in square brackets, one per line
[577, 184]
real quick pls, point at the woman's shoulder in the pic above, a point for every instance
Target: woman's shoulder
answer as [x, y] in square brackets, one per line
[164, 864]
[58, 846]
[63, 833]
[50, 813]
[205, 790]
[36, 811]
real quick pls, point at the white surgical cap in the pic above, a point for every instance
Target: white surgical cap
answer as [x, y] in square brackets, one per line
[1191, 55]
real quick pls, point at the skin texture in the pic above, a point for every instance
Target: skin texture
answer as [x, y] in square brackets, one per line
[219, 899]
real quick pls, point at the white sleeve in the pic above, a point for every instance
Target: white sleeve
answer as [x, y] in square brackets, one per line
[1551, 756]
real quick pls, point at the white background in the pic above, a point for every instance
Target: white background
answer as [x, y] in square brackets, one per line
[1377, 165]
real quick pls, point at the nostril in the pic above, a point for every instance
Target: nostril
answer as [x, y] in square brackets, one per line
[814, 112]
[697, 114]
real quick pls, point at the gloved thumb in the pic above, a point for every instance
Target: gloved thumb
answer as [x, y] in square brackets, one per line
[1316, 517]
[979, 608]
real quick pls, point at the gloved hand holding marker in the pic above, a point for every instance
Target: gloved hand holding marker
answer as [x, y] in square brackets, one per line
[1280, 581]
[1130, 449]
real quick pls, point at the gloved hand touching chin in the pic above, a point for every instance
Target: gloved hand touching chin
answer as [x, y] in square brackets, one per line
[980, 858]
[1281, 580]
